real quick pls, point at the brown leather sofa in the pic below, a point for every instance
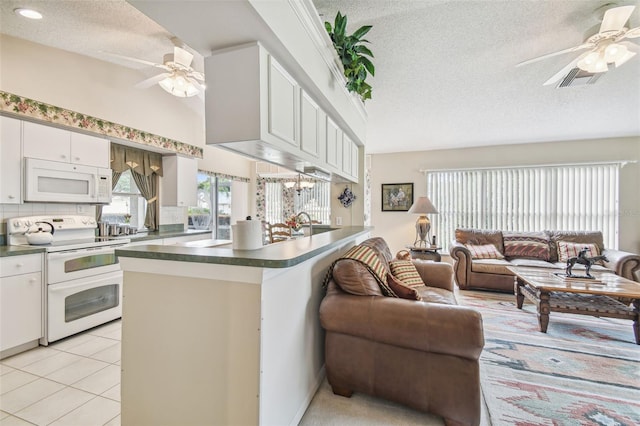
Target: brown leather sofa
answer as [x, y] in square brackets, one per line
[491, 274]
[423, 354]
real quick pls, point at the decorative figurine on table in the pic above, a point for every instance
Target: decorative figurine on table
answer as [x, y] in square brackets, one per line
[583, 260]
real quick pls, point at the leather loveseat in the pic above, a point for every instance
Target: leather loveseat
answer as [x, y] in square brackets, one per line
[422, 354]
[538, 249]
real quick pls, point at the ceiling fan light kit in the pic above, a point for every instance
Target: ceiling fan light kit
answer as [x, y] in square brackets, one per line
[606, 46]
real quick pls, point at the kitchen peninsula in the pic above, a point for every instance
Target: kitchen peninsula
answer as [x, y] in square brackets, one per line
[222, 336]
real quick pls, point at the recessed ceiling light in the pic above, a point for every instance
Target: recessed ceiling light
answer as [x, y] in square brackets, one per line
[28, 13]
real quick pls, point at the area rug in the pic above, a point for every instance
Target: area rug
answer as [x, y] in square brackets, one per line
[583, 371]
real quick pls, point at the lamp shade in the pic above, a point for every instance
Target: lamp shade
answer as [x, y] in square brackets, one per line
[423, 206]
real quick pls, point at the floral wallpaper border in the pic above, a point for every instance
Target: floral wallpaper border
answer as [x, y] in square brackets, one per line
[225, 176]
[26, 107]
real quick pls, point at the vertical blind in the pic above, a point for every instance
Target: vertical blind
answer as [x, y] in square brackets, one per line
[567, 197]
[315, 201]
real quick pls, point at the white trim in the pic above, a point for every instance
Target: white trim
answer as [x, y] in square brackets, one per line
[621, 163]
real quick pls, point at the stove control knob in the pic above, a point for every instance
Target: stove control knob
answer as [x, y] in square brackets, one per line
[84, 221]
[92, 222]
[17, 224]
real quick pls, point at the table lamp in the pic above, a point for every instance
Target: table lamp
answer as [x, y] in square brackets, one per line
[422, 206]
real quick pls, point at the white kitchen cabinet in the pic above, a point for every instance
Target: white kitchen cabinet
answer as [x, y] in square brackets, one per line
[346, 155]
[179, 181]
[283, 100]
[51, 143]
[11, 160]
[354, 161]
[309, 125]
[334, 144]
[20, 301]
[90, 150]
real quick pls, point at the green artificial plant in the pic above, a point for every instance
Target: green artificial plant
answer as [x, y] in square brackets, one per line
[353, 54]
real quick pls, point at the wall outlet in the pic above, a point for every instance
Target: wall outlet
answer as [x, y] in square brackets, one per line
[80, 208]
[339, 220]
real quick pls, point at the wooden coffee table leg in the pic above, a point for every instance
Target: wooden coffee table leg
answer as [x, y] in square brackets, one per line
[543, 311]
[636, 324]
[518, 292]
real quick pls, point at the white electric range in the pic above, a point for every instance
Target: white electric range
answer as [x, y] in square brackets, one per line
[82, 274]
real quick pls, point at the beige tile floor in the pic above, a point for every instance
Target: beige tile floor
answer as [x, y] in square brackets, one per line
[72, 382]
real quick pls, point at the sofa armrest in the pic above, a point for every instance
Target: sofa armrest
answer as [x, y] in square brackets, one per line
[427, 327]
[461, 263]
[435, 274]
[624, 264]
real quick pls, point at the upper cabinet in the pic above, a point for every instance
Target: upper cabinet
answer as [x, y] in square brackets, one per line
[179, 181]
[51, 143]
[11, 160]
[255, 107]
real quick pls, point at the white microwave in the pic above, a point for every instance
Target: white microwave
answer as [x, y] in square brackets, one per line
[55, 182]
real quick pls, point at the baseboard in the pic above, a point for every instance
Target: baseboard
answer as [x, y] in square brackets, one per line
[303, 408]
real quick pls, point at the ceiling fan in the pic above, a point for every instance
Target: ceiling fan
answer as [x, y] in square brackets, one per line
[178, 78]
[605, 47]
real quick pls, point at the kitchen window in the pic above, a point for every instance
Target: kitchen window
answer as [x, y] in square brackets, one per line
[127, 204]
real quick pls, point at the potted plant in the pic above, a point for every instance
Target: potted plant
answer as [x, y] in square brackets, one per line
[353, 55]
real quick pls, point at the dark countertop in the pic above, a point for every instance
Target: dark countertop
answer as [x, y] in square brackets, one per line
[6, 251]
[278, 255]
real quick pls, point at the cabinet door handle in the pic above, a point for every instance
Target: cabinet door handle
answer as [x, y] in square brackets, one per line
[63, 156]
[77, 158]
[19, 265]
[32, 281]
[11, 197]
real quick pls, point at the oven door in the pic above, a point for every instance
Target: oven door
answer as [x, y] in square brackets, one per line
[75, 306]
[81, 263]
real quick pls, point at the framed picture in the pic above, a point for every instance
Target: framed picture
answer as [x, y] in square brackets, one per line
[397, 197]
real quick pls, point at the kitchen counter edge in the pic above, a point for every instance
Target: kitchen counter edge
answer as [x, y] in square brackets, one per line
[279, 255]
[6, 251]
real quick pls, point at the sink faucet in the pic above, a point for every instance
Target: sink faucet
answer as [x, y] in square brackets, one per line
[309, 220]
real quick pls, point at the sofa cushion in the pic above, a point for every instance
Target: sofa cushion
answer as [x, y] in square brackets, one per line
[436, 295]
[354, 278]
[485, 251]
[480, 237]
[567, 250]
[536, 263]
[532, 245]
[405, 271]
[491, 266]
[400, 289]
[583, 237]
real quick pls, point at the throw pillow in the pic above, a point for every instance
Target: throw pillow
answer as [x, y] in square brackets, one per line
[405, 271]
[401, 290]
[354, 278]
[485, 251]
[530, 245]
[567, 250]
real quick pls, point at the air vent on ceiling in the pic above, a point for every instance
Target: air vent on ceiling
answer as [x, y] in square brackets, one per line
[578, 77]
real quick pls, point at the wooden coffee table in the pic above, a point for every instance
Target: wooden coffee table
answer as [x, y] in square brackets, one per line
[598, 298]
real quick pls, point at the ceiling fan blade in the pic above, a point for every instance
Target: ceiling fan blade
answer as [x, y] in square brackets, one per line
[197, 75]
[615, 18]
[632, 33]
[129, 58]
[557, 76]
[182, 57]
[145, 84]
[549, 55]
[625, 58]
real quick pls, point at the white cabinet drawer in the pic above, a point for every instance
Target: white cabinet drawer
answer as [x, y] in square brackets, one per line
[15, 265]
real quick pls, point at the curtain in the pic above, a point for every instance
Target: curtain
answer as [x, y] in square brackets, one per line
[146, 167]
[566, 197]
[148, 186]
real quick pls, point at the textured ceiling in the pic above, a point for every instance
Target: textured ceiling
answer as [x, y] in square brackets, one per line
[445, 70]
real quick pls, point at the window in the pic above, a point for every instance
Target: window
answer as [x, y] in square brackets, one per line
[214, 195]
[127, 205]
[280, 202]
[567, 197]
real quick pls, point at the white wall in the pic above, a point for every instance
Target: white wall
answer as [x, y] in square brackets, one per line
[398, 228]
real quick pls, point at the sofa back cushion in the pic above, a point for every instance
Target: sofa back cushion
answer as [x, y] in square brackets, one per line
[528, 245]
[353, 277]
[582, 237]
[480, 237]
[379, 245]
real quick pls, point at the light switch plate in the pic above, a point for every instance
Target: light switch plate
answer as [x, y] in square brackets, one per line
[339, 220]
